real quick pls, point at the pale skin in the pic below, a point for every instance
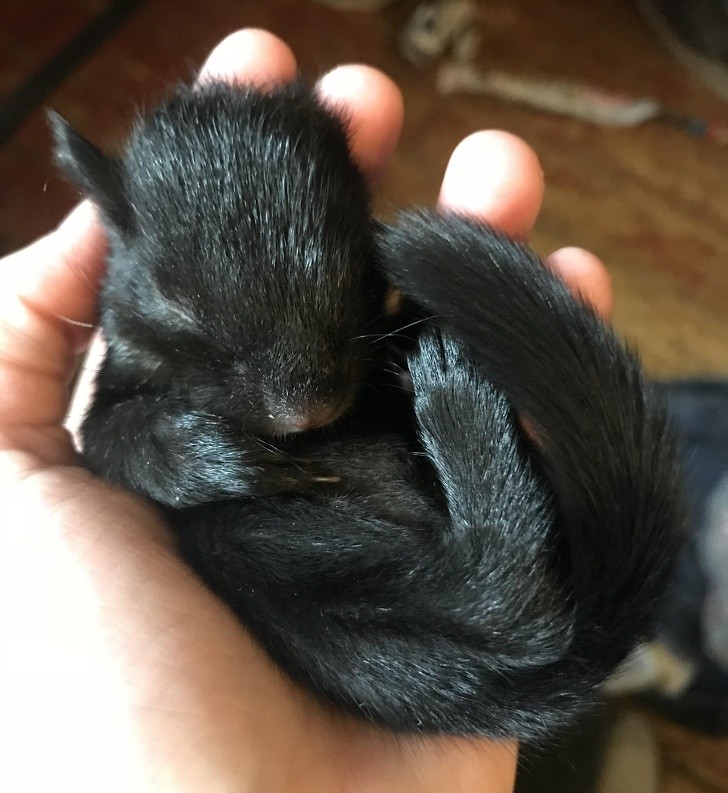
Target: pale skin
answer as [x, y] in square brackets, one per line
[122, 672]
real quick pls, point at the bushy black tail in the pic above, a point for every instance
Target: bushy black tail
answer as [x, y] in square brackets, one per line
[604, 442]
[501, 617]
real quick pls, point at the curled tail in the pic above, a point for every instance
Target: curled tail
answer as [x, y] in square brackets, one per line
[604, 444]
[500, 617]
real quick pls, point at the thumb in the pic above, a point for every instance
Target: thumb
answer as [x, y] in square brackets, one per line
[47, 309]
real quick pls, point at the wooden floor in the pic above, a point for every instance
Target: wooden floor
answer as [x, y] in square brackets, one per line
[651, 201]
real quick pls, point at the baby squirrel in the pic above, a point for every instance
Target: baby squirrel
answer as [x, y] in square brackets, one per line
[405, 554]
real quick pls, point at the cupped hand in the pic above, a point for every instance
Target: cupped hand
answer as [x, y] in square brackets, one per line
[122, 672]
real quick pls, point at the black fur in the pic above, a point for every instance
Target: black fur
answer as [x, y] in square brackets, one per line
[452, 579]
[240, 284]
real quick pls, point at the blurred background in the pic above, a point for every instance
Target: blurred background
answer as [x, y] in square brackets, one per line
[624, 102]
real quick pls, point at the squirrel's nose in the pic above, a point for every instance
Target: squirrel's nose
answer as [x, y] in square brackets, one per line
[309, 419]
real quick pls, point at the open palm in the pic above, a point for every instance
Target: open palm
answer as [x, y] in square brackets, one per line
[122, 671]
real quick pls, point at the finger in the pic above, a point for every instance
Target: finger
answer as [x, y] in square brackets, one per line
[47, 287]
[371, 105]
[586, 276]
[250, 57]
[494, 177]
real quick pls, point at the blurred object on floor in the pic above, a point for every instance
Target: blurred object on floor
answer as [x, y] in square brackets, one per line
[684, 674]
[563, 97]
[569, 98]
[696, 32]
[715, 559]
[438, 28]
[700, 410]
[694, 622]
[652, 666]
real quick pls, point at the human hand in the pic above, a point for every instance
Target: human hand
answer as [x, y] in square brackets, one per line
[122, 671]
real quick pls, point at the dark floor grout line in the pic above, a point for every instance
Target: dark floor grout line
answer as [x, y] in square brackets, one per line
[15, 108]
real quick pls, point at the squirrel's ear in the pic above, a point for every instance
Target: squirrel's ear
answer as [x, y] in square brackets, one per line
[100, 178]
